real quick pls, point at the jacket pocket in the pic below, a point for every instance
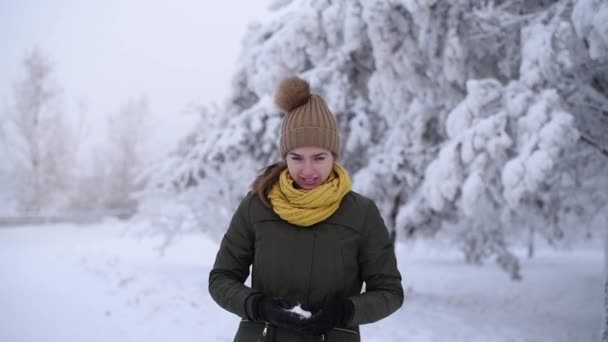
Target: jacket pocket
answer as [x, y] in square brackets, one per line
[249, 331]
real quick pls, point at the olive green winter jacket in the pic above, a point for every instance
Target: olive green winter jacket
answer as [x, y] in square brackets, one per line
[331, 259]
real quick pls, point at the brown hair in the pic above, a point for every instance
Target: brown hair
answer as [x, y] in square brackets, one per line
[266, 178]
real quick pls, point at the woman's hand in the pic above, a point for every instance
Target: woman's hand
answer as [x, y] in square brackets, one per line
[335, 313]
[276, 311]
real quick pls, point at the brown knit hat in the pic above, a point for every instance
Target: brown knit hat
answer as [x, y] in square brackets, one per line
[308, 121]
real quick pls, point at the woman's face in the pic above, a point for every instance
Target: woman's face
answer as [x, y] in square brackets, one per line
[309, 166]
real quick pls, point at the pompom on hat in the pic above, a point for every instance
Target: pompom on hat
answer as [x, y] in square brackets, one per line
[308, 121]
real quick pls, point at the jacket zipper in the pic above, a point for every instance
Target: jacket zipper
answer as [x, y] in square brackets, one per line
[266, 324]
[264, 332]
[312, 257]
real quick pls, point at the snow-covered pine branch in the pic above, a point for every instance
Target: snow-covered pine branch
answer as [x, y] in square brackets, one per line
[458, 118]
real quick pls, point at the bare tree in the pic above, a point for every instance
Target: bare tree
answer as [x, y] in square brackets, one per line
[38, 139]
[120, 161]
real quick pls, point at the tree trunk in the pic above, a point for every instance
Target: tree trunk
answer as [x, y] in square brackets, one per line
[531, 242]
[393, 218]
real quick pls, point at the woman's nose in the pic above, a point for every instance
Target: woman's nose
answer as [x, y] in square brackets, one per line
[308, 167]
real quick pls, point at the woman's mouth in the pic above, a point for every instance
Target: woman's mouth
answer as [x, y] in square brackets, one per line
[308, 181]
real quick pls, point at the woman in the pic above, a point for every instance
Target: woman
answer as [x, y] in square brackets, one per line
[312, 241]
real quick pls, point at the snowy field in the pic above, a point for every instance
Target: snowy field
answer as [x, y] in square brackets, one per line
[95, 283]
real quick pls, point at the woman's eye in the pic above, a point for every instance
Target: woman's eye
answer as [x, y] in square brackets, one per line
[320, 158]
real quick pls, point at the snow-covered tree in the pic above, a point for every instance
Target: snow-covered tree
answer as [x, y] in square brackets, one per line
[202, 188]
[39, 142]
[501, 156]
[469, 117]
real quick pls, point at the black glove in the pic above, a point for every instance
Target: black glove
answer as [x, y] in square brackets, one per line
[275, 311]
[335, 313]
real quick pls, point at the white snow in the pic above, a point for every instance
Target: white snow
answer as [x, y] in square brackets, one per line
[472, 193]
[298, 310]
[459, 119]
[99, 283]
[512, 178]
[582, 16]
[590, 20]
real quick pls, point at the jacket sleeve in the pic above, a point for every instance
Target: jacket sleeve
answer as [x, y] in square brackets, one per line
[383, 290]
[231, 267]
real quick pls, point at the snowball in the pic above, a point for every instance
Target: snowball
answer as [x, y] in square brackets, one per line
[304, 314]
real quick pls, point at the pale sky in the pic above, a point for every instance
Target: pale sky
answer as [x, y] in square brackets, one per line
[176, 53]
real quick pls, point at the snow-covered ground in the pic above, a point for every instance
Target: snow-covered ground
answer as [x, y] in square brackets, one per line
[95, 283]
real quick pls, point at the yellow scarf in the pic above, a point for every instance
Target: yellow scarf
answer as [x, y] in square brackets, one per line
[307, 207]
